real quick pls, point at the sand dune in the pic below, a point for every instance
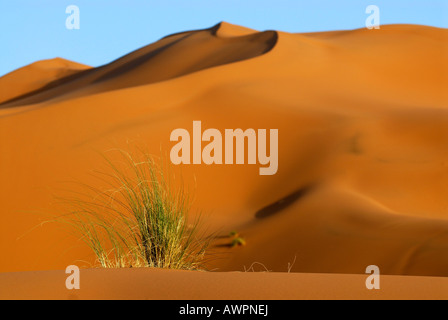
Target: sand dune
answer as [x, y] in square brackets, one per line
[36, 76]
[166, 59]
[362, 120]
[345, 232]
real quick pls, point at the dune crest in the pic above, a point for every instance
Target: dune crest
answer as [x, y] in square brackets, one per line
[35, 76]
[171, 57]
[231, 30]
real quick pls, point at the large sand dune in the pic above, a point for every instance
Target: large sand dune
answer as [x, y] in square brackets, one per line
[171, 57]
[363, 154]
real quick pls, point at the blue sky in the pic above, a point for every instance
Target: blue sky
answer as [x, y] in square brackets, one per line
[32, 30]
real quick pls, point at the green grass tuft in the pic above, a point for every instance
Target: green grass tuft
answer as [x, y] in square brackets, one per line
[233, 234]
[238, 242]
[140, 221]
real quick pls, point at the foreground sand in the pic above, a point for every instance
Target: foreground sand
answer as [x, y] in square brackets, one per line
[183, 285]
[363, 154]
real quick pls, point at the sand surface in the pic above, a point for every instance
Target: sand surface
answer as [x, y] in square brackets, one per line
[140, 284]
[363, 154]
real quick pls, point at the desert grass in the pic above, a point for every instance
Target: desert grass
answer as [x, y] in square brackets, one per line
[236, 239]
[140, 220]
[238, 242]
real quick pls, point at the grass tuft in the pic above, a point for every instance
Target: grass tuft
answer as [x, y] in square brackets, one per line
[233, 234]
[238, 242]
[140, 221]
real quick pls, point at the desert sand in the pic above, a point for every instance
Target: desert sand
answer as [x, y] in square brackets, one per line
[363, 156]
[152, 284]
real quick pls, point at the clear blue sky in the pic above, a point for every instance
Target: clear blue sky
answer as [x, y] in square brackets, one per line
[32, 30]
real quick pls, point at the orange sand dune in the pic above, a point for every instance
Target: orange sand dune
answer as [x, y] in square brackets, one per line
[168, 58]
[36, 76]
[147, 284]
[363, 160]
